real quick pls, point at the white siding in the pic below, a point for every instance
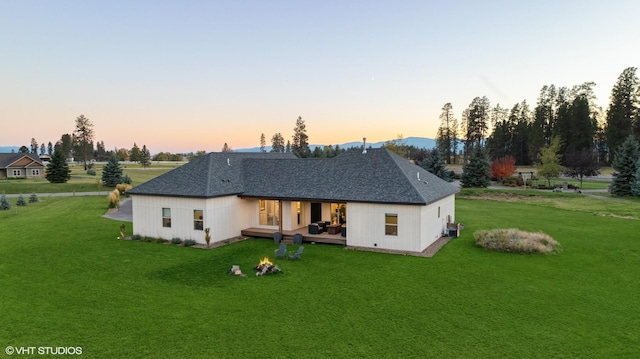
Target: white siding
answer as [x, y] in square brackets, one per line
[418, 226]
[226, 216]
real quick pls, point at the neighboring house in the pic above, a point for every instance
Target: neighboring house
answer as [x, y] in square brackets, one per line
[21, 165]
[384, 200]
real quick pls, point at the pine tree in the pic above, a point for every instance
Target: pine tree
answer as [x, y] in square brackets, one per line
[4, 202]
[625, 164]
[20, 201]
[34, 198]
[447, 137]
[476, 172]
[145, 157]
[300, 145]
[635, 186]
[435, 164]
[263, 143]
[624, 109]
[57, 169]
[112, 173]
[135, 154]
[83, 136]
[277, 143]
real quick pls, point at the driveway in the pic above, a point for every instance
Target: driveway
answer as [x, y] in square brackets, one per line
[122, 213]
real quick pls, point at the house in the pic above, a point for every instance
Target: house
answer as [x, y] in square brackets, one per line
[382, 199]
[21, 165]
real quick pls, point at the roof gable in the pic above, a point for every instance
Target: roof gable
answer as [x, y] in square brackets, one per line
[19, 160]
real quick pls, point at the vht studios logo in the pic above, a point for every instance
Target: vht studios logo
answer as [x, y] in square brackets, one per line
[11, 350]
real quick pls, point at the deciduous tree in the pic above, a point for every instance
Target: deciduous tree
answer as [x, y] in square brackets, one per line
[548, 165]
[581, 163]
[503, 167]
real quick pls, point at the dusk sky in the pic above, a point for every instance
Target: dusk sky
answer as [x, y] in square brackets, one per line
[182, 76]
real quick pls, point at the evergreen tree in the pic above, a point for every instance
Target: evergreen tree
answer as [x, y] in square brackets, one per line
[135, 154]
[34, 145]
[83, 135]
[435, 164]
[112, 173]
[277, 143]
[20, 202]
[300, 145]
[34, 198]
[49, 148]
[624, 109]
[263, 143]
[57, 169]
[476, 172]
[66, 145]
[43, 149]
[548, 165]
[475, 120]
[447, 137]
[4, 202]
[625, 164]
[635, 186]
[145, 157]
[226, 148]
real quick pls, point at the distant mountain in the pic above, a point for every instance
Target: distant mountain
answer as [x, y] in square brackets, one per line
[9, 149]
[418, 142]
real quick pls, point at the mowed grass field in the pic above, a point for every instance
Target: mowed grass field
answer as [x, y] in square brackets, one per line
[67, 281]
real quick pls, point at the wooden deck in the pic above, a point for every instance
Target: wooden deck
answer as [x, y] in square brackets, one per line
[287, 236]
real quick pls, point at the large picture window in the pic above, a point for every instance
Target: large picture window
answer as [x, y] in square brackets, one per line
[269, 210]
[198, 220]
[391, 224]
[166, 217]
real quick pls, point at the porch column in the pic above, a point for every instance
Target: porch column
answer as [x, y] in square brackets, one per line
[280, 216]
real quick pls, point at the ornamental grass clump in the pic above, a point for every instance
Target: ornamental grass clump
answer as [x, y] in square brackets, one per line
[114, 199]
[516, 241]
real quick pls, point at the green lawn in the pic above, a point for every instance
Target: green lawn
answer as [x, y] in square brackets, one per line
[82, 182]
[66, 281]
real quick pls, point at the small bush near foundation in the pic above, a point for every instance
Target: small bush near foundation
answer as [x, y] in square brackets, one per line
[160, 240]
[136, 237]
[189, 242]
[516, 241]
[176, 241]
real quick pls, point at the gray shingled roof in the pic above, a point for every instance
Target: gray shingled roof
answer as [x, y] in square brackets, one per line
[213, 175]
[8, 158]
[379, 176]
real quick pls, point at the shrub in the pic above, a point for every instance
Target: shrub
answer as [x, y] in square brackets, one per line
[516, 241]
[4, 202]
[91, 172]
[33, 198]
[136, 237]
[20, 201]
[114, 198]
[176, 240]
[189, 242]
[160, 240]
[123, 187]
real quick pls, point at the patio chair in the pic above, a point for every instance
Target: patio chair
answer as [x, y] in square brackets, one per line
[297, 254]
[281, 252]
[277, 237]
[297, 238]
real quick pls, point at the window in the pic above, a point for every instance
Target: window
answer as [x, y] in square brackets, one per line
[338, 213]
[35, 172]
[391, 224]
[198, 222]
[16, 173]
[269, 210]
[166, 217]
